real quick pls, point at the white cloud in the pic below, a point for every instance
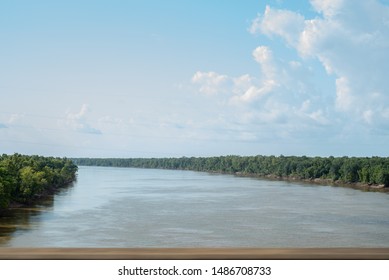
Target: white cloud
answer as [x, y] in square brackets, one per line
[344, 98]
[291, 98]
[264, 56]
[283, 23]
[281, 95]
[351, 40]
[319, 117]
[242, 83]
[244, 88]
[328, 8]
[11, 120]
[254, 92]
[210, 82]
[77, 121]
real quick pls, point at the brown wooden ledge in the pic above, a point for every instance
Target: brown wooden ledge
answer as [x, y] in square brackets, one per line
[193, 254]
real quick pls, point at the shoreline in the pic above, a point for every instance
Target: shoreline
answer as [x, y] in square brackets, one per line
[364, 173]
[318, 181]
[315, 181]
[39, 197]
[25, 179]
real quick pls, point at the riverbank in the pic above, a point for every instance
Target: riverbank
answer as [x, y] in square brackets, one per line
[369, 174]
[26, 179]
[39, 197]
[321, 182]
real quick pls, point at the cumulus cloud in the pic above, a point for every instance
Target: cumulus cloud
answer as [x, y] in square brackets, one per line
[344, 98]
[283, 23]
[244, 88]
[210, 82]
[328, 8]
[276, 95]
[291, 97]
[350, 38]
[263, 55]
[78, 122]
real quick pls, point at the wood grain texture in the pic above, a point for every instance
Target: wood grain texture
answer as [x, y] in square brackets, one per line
[193, 254]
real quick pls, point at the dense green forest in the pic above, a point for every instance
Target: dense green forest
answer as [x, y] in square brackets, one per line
[25, 178]
[374, 170]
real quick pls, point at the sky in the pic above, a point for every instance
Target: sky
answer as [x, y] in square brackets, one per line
[148, 78]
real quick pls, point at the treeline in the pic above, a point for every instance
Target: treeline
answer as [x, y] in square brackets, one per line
[24, 178]
[373, 170]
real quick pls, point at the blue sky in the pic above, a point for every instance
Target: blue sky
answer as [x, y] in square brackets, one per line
[194, 78]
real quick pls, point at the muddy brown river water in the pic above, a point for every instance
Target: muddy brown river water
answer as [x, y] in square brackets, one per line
[132, 208]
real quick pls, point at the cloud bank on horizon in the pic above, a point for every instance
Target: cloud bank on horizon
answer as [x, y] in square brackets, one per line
[350, 39]
[274, 77]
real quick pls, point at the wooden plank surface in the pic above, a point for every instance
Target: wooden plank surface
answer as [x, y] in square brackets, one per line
[193, 254]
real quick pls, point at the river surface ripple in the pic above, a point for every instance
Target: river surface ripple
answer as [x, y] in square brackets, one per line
[128, 207]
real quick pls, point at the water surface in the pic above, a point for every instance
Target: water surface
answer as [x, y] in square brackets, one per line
[128, 207]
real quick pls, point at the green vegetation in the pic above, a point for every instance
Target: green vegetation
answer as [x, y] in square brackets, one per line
[372, 171]
[25, 178]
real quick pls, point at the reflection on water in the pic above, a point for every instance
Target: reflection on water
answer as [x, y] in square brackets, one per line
[19, 220]
[121, 207]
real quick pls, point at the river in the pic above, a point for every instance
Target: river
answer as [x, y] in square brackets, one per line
[129, 207]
